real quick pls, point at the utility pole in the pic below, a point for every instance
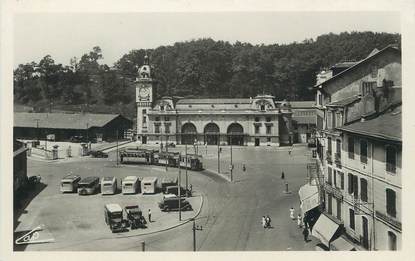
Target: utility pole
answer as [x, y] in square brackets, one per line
[187, 182]
[218, 159]
[194, 233]
[117, 147]
[37, 129]
[179, 192]
[231, 167]
[167, 155]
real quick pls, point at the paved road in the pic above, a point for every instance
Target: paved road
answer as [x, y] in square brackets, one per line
[231, 215]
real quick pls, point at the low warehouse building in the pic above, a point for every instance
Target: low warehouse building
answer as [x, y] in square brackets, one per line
[64, 126]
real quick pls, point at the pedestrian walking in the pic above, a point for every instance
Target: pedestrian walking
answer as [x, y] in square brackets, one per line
[268, 221]
[149, 215]
[305, 234]
[289, 152]
[282, 175]
[299, 221]
[264, 223]
[292, 210]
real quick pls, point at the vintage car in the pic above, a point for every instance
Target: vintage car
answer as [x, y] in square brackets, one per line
[114, 217]
[135, 217]
[98, 154]
[170, 202]
[174, 190]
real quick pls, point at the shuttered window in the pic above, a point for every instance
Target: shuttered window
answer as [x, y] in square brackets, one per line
[351, 219]
[350, 146]
[363, 151]
[363, 190]
[355, 186]
[350, 183]
[391, 202]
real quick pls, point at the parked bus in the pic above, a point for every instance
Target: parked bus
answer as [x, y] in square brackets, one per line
[149, 185]
[194, 162]
[108, 185]
[130, 185]
[167, 158]
[136, 155]
[70, 183]
[88, 186]
[165, 182]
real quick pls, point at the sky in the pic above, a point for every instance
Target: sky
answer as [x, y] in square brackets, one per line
[65, 35]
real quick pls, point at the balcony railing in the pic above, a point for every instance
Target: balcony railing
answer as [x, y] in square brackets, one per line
[337, 159]
[390, 167]
[328, 157]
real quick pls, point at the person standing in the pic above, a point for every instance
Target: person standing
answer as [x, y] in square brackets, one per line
[264, 223]
[292, 210]
[243, 167]
[268, 221]
[305, 234]
[149, 215]
[299, 222]
[282, 175]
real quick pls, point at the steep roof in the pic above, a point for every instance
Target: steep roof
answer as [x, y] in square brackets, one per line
[344, 102]
[62, 120]
[386, 126]
[368, 58]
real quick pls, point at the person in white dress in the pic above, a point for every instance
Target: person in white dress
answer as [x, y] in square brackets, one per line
[292, 210]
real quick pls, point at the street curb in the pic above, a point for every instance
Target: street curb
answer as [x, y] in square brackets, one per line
[217, 174]
[171, 227]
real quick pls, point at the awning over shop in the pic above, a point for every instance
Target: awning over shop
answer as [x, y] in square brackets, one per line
[324, 229]
[309, 197]
[341, 244]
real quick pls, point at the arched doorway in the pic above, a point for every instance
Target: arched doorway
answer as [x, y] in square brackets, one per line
[189, 133]
[235, 134]
[211, 132]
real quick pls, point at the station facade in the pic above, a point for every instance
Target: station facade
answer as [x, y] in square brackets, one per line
[257, 121]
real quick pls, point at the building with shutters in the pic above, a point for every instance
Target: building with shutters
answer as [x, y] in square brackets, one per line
[303, 121]
[258, 121]
[359, 147]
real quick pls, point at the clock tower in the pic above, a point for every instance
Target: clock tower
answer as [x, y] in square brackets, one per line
[144, 98]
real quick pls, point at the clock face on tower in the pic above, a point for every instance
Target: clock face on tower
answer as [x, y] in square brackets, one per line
[144, 92]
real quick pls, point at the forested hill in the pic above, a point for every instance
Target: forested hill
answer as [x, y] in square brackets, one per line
[200, 68]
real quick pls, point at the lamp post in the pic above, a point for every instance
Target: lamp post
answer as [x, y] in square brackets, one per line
[117, 147]
[218, 159]
[194, 228]
[187, 182]
[37, 129]
[231, 167]
[167, 161]
[179, 192]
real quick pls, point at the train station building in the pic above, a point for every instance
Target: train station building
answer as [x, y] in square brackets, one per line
[257, 121]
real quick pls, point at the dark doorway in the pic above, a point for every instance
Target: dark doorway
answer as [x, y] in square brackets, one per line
[189, 133]
[144, 139]
[365, 238]
[235, 134]
[256, 141]
[211, 134]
